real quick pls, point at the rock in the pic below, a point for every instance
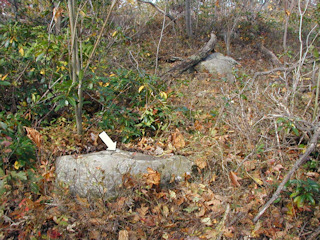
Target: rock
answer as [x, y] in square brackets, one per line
[218, 64]
[101, 173]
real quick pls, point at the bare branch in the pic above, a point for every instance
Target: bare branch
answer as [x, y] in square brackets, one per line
[299, 162]
[158, 9]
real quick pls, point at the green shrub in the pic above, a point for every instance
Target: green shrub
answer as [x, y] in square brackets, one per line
[304, 192]
[133, 103]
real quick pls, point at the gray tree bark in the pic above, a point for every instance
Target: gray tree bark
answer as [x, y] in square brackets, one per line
[188, 18]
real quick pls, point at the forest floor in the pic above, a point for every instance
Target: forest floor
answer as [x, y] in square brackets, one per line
[230, 132]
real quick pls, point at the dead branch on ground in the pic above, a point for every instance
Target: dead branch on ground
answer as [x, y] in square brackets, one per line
[280, 69]
[269, 54]
[194, 59]
[299, 162]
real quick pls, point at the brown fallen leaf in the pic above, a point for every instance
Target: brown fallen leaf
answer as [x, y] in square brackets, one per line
[201, 163]
[152, 177]
[123, 235]
[178, 139]
[34, 136]
[234, 178]
[278, 167]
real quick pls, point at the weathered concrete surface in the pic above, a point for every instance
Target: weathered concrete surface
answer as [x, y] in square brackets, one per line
[219, 64]
[101, 172]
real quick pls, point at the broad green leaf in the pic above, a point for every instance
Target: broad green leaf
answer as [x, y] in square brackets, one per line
[316, 53]
[5, 83]
[40, 56]
[3, 125]
[19, 175]
[310, 198]
[34, 187]
[1, 172]
[72, 101]
[191, 209]
[296, 132]
[294, 194]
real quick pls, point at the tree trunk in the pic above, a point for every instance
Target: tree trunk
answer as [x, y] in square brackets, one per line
[287, 17]
[75, 64]
[188, 18]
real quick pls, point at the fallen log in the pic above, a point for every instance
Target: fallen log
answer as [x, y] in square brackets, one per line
[269, 54]
[193, 60]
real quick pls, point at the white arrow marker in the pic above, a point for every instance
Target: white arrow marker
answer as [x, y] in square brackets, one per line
[107, 140]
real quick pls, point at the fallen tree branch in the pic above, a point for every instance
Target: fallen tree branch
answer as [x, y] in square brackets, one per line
[269, 54]
[280, 69]
[195, 58]
[298, 163]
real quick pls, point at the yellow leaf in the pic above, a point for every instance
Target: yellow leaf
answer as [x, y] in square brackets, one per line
[21, 51]
[82, 13]
[24, 104]
[163, 95]
[4, 77]
[114, 33]
[140, 88]
[165, 211]
[16, 165]
[111, 75]
[257, 180]
[42, 72]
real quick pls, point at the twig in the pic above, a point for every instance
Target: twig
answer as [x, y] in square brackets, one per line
[314, 234]
[281, 69]
[245, 159]
[159, 43]
[299, 162]
[99, 36]
[221, 225]
[137, 67]
[48, 90]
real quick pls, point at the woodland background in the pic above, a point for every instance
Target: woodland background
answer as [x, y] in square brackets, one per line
[71, 69]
